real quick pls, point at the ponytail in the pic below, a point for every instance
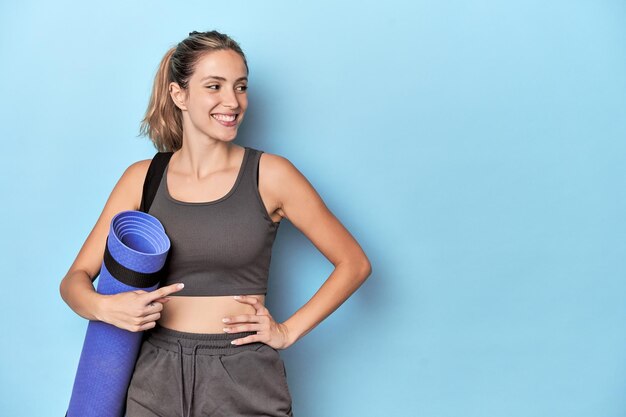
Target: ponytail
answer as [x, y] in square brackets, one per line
[162, 122]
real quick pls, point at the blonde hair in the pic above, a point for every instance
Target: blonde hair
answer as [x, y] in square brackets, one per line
[163, 122]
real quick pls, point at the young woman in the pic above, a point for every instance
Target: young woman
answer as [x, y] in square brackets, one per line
[211, 347]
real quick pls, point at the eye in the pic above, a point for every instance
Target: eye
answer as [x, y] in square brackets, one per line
[211, 86]
[243, 88]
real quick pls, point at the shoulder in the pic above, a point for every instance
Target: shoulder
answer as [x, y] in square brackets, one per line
[139, 167]
[276, 168]
[136, 172]
[131, 182]
[139, 170]
[284, 182]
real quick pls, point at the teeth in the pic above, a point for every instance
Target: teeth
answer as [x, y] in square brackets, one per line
[224, 117]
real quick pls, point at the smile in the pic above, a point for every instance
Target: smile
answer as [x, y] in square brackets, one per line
[224, 117]
[228, 120]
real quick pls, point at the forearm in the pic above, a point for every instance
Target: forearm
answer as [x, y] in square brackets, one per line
[342, 282]
[79, 294]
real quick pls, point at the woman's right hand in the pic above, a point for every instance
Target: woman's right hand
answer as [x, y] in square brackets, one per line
[138, 310]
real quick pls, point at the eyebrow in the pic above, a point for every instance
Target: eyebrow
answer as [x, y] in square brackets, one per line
[222, 78]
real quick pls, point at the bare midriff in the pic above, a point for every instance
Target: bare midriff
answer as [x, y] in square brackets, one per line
[203, 314]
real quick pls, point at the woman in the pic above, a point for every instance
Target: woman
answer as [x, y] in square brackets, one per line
[205, 350]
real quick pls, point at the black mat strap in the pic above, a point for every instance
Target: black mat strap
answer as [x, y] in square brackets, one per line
[128, 276]
[153, 178]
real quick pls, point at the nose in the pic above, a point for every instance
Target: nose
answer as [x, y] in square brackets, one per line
[229, 98]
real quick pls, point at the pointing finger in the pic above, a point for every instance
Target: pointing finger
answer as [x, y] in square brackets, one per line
[162, 292]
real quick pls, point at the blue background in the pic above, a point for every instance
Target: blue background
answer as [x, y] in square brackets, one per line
[475, 149]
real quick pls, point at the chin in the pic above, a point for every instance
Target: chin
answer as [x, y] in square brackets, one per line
[227, 139]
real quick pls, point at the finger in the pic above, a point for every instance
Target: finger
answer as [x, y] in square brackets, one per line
[254, 318]
[253, 301]
[143, 323]
[162, 292]
[143, 327]
[243, 318]
[153, 307]
[244, 328]
[149, 318]
[248, 299]
[248, 339]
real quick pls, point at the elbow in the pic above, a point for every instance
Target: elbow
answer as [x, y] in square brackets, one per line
[360, 268]
[62, 288]
[63, 285]
[366, 269]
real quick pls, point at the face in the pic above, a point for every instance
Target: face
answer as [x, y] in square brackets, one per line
[216, 99]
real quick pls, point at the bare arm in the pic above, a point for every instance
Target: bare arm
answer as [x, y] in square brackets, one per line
[77, 288]
[302, 205]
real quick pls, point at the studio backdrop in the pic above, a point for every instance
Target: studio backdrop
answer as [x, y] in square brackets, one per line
[476, 149]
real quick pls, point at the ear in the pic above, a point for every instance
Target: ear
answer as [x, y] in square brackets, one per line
[179, 95]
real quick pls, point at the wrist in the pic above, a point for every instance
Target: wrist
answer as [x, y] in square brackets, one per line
[291, 335]
[100, 305]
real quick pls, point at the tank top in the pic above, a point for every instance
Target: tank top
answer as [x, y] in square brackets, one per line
[220, 247]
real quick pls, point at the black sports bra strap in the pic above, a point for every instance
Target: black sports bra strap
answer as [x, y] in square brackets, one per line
[153, 178]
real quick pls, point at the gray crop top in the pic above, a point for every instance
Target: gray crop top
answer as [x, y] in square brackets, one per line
[220, 247]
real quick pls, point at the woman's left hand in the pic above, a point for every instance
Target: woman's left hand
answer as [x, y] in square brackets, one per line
[268, 331]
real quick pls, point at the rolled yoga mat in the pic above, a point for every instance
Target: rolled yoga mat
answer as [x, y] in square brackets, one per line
[134, 258]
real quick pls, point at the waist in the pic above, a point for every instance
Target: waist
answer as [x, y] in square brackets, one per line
[203, 314]
[197, 343]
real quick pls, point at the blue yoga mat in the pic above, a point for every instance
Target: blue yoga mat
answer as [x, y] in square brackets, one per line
[134, 258]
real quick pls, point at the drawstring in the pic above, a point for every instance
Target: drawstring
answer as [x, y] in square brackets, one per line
[193, 378]
[182, 385]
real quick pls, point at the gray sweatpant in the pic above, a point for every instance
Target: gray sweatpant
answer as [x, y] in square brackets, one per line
[193, 375]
